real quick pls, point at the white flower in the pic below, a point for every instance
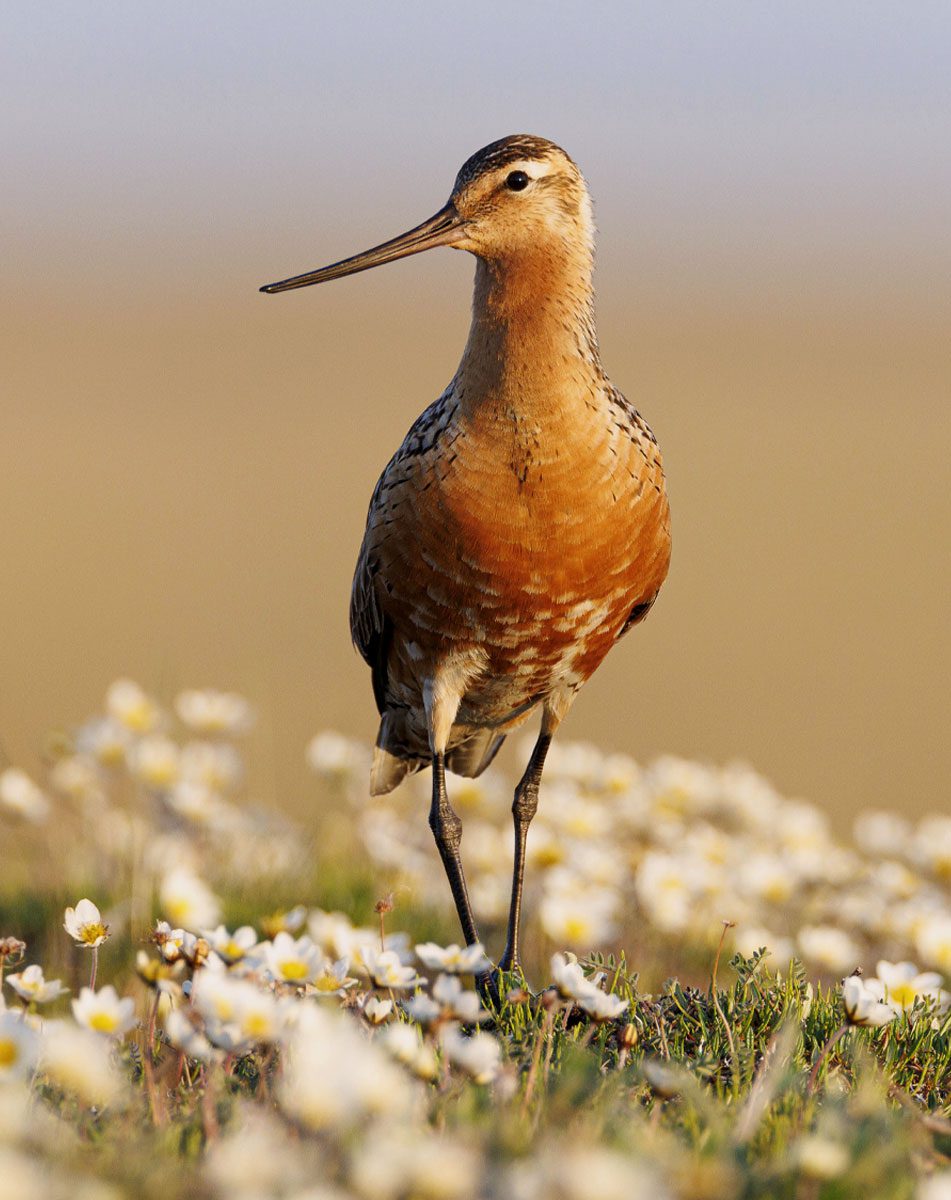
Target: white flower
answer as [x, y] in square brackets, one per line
[933, 940]
[573, 984]
[30, 985]
[901, 984]
[104, 1012]
[293, 961]
[749, 939]
[154, 761]
[828, 946]
[449, 1003]
[84, 925]
[936, 1187]
[185, 1035]
[232, 947]
[423, 1009]
[216, 765]
[376, 1010]
[19, 1047]
[212, 712]
[863, 1004]
[579, 915]
[187, 900]
[334, 756]
[128, 703]
[559, 1171]
[601, 1006]
[106, 740]
[469, 960]
[479, 1054]
[821, 1158]
[403, 1043]
[331, 978]
[21, 796]
[569, 979]
[334, 1077]
[386, 970]
[80, 1061]
[417, 1163]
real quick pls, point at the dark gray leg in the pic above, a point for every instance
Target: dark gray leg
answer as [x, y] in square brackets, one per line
[523, 809]
[447, 830]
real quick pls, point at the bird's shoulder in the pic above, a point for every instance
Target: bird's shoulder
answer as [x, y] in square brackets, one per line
[626, 416]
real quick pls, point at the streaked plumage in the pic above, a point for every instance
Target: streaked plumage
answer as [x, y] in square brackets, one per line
[522, 527]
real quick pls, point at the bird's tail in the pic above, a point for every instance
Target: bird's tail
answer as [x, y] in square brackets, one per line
[470, 758]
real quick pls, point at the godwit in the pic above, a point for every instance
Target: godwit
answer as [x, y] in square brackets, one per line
[522, 527]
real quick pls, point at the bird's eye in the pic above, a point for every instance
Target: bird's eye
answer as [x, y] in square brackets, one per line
[517, 181]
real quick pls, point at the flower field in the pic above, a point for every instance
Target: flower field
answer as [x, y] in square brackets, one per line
[201, 998]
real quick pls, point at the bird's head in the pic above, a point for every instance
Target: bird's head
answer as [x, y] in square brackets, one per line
[517, 196]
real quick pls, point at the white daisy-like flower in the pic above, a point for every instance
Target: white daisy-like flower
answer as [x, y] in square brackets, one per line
[331, 978]
[863, 1004]
[479, 1054]
[187, 900]
[569, 979]
[20, 796]
[377, 1011]
[84, 925]
[208, 711]
[402, 1042]
[454, 960]
[334, 756]
[19, 1047]
[387, 971]
[129, 704]
[829, 947]
[457, 1003]
[104, 1012]
[106, 740]
[900, 984]
[30, 985]
[80, 1061]
[154, 761]
[293, 960]
[602, 1006]
[185, 1035]
[232, 947]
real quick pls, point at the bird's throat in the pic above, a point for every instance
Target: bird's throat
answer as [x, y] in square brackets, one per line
[532, 334]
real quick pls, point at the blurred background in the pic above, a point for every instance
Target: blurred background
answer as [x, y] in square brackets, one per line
[185, 464]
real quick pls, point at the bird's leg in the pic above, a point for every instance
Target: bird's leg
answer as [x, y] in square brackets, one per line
[523, 809]
[447, 830]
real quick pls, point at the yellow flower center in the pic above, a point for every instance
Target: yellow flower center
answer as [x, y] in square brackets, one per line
[233, 950]
[576, 929]
[293, 968]
[256, 1025]
[9, 1052]
[92, 932]
[138, 717]
[326, 983]
[904, 994]
[103, 1022]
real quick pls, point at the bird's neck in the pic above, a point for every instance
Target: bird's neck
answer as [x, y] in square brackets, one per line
[532, 335]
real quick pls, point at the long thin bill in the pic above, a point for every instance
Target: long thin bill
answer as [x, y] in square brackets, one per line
[439, 230]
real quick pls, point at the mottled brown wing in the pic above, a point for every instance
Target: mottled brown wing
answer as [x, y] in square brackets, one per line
[370, 627]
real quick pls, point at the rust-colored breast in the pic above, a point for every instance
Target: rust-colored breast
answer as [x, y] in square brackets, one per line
[530, 536]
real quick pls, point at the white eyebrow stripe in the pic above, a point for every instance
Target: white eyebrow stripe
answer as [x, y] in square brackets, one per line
[531, 166]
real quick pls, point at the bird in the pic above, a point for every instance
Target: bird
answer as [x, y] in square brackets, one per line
[523, 526]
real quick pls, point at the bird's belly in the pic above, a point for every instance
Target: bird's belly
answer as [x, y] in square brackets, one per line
[539, 574]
